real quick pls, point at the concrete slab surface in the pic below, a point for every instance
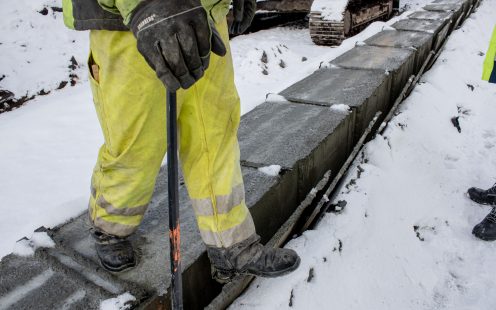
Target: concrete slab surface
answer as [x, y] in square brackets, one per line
[34, 283]
[439, 28]
[402, 39]
[420, 41]
[331, 86]
[373, 57]
[397, 62]
[431, 15]
[429, 26]
[281, 134]
[365, 91]
[456, 8]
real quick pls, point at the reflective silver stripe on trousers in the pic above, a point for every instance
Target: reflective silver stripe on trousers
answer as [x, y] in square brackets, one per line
[230, 236]
[124, 211]
[115, 229]
[204, 207]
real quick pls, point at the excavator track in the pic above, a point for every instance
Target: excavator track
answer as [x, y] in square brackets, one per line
[355, 18]
[325, 32]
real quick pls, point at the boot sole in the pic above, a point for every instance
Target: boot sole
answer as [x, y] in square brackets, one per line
[118, 269]
[137, 256]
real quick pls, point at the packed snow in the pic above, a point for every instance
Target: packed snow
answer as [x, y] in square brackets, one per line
[272, 170]
[330, 9]
[343, 108]
[404, 239]
[121, 302]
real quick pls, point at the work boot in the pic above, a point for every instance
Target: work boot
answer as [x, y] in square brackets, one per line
[250, 257]
[115, 254]
[486, 230]
[485, 197]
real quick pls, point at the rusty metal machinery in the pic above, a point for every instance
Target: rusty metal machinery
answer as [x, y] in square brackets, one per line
[357, 15]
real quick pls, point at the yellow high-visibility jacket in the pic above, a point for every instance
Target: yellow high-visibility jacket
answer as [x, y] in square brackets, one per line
[489, 69]
[115, 14]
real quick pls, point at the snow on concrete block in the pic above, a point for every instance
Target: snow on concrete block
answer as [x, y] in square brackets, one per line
[275, 98]
[341, 108]
[27, 247]
[272, 170]
[121, 302]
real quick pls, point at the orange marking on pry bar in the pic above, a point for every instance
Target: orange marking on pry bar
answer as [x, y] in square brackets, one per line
[175, 239]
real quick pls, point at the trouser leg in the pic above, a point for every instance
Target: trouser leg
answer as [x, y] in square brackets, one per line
[130, 103]
[209, 152]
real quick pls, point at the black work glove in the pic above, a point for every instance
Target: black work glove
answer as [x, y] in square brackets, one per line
[243, 11]
[175, 38]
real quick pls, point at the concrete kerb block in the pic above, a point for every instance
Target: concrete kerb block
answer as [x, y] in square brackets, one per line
[456, 8]
[397, 62]
[439, 28]
[305, 140]
[364, 91]
[421, 42]
[270, 198]
[464, 3]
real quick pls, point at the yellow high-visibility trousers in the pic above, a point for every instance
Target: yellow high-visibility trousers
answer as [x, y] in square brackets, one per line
[130, 103]
[489, 67]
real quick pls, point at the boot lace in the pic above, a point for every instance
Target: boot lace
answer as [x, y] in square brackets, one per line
[492, 190]
[491, 217]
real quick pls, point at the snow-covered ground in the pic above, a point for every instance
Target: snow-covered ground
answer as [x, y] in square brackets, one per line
[49, 145]
[36, 48]
[404, 240]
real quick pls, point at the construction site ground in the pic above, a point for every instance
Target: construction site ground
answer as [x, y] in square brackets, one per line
[403, 240]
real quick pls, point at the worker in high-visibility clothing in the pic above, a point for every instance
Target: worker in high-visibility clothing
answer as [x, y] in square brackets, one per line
[486, 229]
[170, 44]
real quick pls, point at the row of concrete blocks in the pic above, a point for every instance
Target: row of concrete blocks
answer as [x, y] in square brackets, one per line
[301, 134]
